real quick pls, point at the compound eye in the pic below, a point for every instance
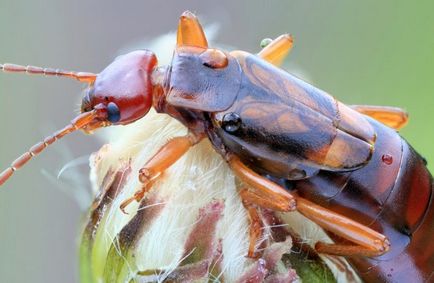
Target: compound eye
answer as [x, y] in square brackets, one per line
[113, 113]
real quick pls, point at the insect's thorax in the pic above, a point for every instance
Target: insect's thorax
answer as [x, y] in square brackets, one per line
[190, 87]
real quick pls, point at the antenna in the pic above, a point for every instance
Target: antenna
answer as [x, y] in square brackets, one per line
[79, 122]
[79, 76]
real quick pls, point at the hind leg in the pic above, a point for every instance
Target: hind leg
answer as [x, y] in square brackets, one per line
[267, 194]
[393, 117]
[367, 242]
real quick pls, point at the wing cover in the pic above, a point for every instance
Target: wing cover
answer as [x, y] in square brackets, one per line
[290, 128]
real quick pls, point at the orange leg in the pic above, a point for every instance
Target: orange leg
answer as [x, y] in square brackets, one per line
[368, 242]
[263, 201]
[393, 117]
[190, 32]
[255, 230]
[346, 250]
[267, 194]
[165, 157]
[277, 50]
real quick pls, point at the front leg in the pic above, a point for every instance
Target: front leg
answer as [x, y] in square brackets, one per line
[165, 157]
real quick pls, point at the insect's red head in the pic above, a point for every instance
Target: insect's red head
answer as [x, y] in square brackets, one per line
[120, 94]
[123, 89]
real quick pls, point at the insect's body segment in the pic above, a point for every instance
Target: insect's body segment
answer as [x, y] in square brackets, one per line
[293, 146]
[392, 194]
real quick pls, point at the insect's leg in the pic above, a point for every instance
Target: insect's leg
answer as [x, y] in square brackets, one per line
[277, 50]
[393, 117]
[346, 250]
[255, 228]
[367, 241]
[263, 201]
[167, 155]
[190, 32]
[264, 193]
[267, 194]
[261, 192]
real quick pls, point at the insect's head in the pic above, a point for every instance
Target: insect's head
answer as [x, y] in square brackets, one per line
[123, 90]
[119, 95]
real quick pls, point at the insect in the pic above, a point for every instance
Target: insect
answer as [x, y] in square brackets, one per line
[293, 146]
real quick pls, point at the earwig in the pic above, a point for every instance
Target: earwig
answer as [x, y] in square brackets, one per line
[293, 146]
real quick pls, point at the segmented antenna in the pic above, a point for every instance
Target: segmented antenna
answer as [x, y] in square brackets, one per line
[79, 122]
[80, 76]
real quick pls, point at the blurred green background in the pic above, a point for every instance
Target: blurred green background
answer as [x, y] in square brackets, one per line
[373, 52]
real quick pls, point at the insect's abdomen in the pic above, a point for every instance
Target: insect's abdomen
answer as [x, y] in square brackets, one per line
[393, 194]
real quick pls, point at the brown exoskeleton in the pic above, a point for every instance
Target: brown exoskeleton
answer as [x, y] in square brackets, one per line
[293, 146]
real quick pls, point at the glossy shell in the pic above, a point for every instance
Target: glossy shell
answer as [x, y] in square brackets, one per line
[195, 84]
[127, 83]
[394, 198]
[290, 129]
[305, 140]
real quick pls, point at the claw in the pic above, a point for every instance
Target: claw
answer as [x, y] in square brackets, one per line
[125, 203]
[137, 197]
